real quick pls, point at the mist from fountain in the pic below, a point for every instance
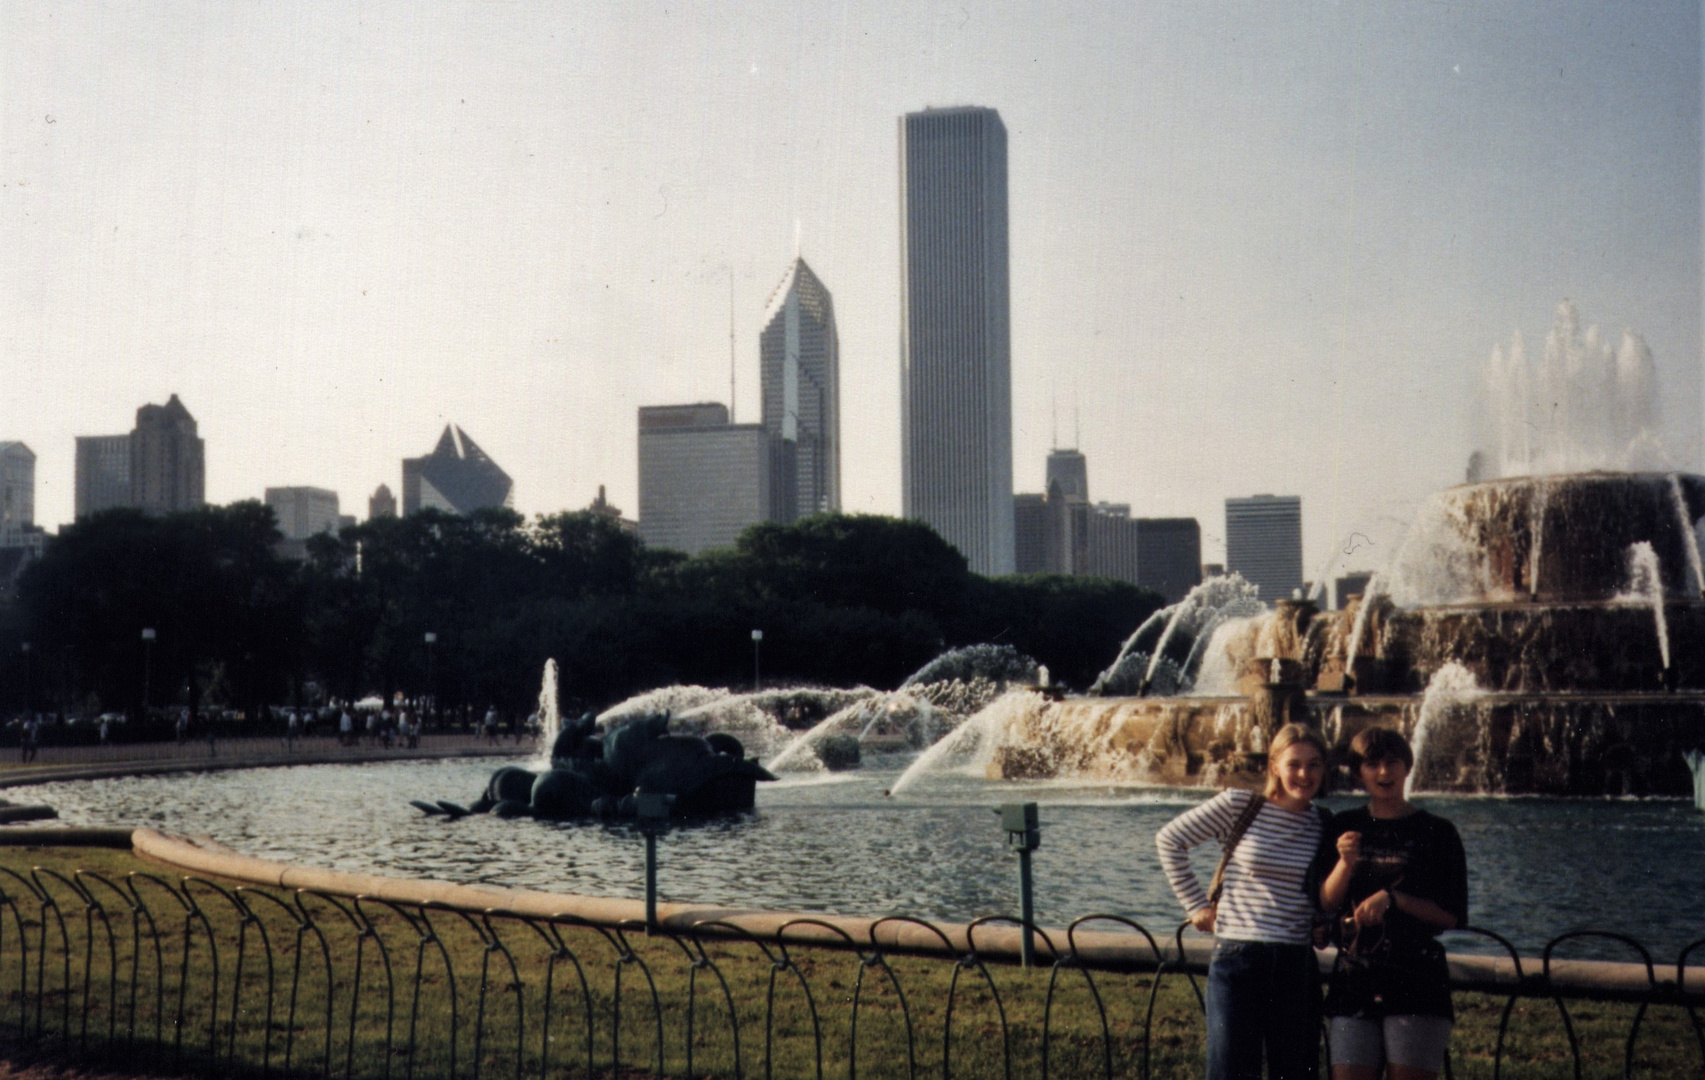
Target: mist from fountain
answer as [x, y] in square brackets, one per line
[1646, 586]
[1450, 687]
[1583, 406]
[1696, 573]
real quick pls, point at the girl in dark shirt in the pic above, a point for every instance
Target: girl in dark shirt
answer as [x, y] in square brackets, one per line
[1400, 877]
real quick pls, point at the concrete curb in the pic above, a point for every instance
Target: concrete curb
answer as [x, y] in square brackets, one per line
[108, 771]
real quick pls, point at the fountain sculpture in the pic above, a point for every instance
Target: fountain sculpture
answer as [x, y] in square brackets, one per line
[599, 776]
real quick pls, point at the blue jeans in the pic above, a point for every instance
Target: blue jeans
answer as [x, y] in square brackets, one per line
[1263, 997]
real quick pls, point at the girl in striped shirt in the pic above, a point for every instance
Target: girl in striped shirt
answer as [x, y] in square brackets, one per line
[1263, 980]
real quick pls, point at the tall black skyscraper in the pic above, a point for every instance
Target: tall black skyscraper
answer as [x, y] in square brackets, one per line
[955, 335]
[800, 372]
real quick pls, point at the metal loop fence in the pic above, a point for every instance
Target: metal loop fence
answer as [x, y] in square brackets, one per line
[192, 975]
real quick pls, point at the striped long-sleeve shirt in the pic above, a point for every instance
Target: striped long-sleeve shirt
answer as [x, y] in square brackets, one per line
[1264, 898]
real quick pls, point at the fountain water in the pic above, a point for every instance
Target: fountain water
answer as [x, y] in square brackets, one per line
[1166, 665]
[972, 745]
[1451, 685]
[1684, 518]
[1646, 586]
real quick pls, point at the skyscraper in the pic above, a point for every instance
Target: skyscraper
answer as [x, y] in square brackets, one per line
[103, 473]
[381, 503]
[799, 370]
[160, 467]
[955, 336]
[457, 477]
[167, 460]
[303, 511]
[702, 480]
[1263, 542]
[17, 491]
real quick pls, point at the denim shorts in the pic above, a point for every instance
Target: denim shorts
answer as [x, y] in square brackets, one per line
[1418, 1042]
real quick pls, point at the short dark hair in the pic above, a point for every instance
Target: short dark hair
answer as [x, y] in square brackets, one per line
[1373, 744]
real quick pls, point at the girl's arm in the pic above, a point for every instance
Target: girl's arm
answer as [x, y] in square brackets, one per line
[1211, 820]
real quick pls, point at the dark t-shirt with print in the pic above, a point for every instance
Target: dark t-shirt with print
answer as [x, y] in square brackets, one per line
[1419, 855]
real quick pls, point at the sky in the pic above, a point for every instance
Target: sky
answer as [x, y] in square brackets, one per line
[1254, 247]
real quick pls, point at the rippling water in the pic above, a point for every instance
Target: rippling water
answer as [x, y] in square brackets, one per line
[1537, 867]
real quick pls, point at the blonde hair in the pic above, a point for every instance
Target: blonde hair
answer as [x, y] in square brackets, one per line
[1285, 738]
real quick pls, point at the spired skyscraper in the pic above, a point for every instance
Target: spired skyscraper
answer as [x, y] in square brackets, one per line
[457, 477]
[800, 373]
[955, 332]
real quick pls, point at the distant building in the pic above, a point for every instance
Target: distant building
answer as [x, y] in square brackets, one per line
[159, 467]
[604, 508]
[1030, 534]
[1263, 542]
[381, 503]
[21, 540]
[103, 473]
[955, 332]
[1062, 532]
[17, 491]
[799, 371]
[1354, 583]
[1169, 556]
[457, 478]
[303, 511]
[702, 480]
[167, 460]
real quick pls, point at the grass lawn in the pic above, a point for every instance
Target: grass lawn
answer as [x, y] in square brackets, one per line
[401, 969]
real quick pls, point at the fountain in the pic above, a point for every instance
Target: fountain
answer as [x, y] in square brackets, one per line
[1539, 632]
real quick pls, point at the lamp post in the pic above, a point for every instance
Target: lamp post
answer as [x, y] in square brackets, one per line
[147, 666]
[431, 639]
[757, 643]
[29, 679]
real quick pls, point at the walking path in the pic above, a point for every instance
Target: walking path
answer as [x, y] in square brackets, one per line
[129, 759]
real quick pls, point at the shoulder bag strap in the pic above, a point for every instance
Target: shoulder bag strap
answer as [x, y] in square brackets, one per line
[1229, 844]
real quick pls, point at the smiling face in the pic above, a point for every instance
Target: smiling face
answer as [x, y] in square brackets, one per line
[1298, 768]
[1384, 778]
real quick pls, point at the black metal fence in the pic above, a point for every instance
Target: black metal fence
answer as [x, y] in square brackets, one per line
[187, 974]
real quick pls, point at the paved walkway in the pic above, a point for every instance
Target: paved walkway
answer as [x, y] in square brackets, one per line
[121, 759]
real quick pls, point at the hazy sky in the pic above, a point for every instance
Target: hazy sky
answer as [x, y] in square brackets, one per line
[1255, 247]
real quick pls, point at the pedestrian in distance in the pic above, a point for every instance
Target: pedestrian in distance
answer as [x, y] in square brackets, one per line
[1263, 993]
[1398, 879]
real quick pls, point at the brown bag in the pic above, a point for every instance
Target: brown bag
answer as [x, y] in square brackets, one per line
[1229, 844]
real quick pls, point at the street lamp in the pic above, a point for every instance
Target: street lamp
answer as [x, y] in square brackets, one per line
[29, 679]
[431, 639]
[147, 666]
[757, 643]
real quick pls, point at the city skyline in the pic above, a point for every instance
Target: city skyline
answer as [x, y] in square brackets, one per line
[1255, 249]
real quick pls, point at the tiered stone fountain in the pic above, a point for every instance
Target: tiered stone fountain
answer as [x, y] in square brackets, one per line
[1538, 634]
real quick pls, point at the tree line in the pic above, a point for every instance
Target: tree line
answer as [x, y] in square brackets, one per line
[841, 599]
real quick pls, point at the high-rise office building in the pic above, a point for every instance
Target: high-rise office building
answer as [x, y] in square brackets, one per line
[159, 467]
[17, 492]
[702, 480]
[381, 503]
[103, 473]
[1030, 534]
[167, 460]
[799, 371]
[1069, 469]
[955, 335]
[1263, 542]
[303, 511]
[457, 478]
[1169, 556]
